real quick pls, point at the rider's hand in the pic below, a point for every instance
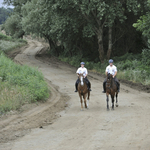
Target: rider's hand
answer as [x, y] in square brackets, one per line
[113, 76]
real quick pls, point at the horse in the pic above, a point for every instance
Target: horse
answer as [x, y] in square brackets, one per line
[83, 92]
[111, 88]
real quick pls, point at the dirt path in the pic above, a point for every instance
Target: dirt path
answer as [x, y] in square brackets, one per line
[127, 127]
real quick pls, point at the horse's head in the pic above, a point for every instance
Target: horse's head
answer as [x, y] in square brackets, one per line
[109, 77]
[81, 78]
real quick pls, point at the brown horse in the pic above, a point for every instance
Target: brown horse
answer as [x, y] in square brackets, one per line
[111, 88]
[83, 91]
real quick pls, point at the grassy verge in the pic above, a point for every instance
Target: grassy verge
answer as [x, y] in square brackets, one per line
[130, 67]
[18, 84]
[8, 43]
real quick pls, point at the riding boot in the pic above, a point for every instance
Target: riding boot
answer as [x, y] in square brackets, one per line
[89, 86]
[118, 87]
[76, 86]
[104, 87]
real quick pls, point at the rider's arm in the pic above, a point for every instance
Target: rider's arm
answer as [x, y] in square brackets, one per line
[106, 72]
[77, 72]
[115, 74]
[86, 73]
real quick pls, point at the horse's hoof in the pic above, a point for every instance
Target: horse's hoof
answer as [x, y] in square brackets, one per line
[112, 109]
[117, 105]
[107, 109]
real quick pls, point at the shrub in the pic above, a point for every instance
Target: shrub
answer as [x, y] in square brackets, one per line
[20, 84]
[146, 57]
[130, 67]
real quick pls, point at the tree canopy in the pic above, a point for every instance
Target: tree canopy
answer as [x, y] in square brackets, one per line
[4, 13]
[95, 29]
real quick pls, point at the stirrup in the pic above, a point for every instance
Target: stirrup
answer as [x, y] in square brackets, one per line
[75, 91]
[90, 90]
[103, 91]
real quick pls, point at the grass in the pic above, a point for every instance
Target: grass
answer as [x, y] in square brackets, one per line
[130, 67]
[18, 84]
[13, 97]
[8, 43]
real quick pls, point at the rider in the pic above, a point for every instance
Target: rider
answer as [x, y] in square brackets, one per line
[82, 70]
[112, 69]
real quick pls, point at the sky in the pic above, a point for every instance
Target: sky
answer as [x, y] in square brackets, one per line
[1, 4]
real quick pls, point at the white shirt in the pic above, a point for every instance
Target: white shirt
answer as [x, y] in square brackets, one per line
[111, 69]
[82, 71]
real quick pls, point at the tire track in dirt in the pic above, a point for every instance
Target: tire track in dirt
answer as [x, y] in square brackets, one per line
[15, 126]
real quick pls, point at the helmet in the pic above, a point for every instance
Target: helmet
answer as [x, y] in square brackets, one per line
[82, 63]
[111, 61]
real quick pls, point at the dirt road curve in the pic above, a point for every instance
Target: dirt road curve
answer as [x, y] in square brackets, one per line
[125, 128]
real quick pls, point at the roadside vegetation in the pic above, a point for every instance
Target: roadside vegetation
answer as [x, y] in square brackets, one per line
[132, 67]
[91, 31]
[7, 43]
[18, 84]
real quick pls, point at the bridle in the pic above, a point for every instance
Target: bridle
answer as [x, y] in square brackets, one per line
[110, 84]
[81, 80]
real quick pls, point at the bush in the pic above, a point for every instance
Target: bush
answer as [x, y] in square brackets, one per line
[146, 57]
[20, 84]
[130, 67]
[5, 37]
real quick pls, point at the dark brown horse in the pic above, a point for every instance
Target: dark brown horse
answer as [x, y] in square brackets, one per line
[111, 88]
[83, 92]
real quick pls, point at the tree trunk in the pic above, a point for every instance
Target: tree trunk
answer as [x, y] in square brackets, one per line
[109, 43]
[51, 44]
[100, 45]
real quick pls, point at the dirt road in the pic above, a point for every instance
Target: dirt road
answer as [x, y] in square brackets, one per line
[127, 127]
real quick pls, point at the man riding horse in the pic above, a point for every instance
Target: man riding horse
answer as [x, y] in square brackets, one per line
[82, 70]
[111, 69]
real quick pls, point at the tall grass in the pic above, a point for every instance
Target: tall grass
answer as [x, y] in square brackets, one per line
[8, 43]
[20, 84]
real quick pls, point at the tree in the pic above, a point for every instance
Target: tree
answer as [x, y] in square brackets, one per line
[13, 26]
[4, 13]
[143, 23]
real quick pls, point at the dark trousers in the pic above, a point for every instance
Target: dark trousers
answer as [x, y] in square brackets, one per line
[116, 80]
[86, 80]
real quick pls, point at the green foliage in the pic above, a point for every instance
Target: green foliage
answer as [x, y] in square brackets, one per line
[20, 85]
[13, 26]
[12, 97]
[143, 23]
[130, 67]
[5, 37]
[74, 27]
[4, 13]
[8, 43]
[146, 57]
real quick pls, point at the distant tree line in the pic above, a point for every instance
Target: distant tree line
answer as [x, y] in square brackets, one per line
[4, 13]
[95, 29]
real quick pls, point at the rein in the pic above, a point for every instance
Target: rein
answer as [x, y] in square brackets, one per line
[110, 85]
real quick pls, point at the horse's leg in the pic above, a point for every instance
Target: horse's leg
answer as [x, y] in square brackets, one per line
[88, 99]
[107, 99]
[81, 101]
[85, 95]
[112, 98]
[117, 100]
